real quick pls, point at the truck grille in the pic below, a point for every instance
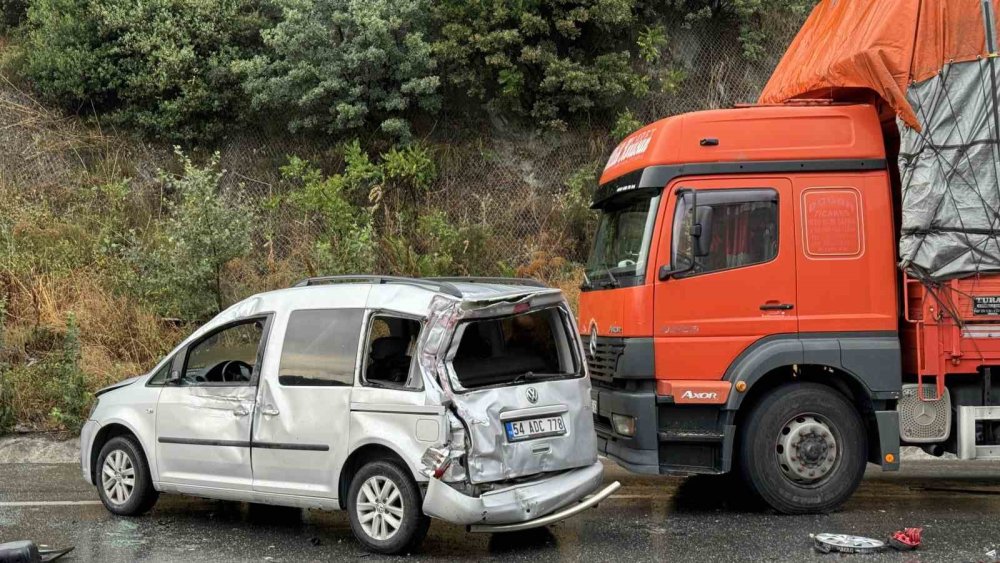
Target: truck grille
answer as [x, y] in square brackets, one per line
[602, 359]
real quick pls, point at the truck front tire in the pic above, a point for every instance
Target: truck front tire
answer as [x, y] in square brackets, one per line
[803, 449]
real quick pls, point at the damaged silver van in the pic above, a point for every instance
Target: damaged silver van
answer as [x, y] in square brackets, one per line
[398, 399]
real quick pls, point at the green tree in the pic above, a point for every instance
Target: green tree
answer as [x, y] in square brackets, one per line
[341, 65]
[161, 66]
[180, 267]
[548, 59]
[750, 17]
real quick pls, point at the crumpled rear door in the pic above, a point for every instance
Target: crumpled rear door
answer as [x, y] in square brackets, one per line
[496, 455]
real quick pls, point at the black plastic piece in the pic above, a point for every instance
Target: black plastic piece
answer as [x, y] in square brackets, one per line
[709, 142]
[26, 551]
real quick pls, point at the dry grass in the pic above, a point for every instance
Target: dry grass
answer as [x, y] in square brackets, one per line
[118, 338]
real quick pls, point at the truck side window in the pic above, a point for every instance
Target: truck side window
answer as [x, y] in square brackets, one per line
[390, 353]
[321, 347]
[743, 231]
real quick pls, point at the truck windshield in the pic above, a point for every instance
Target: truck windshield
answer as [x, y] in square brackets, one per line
[623, 234]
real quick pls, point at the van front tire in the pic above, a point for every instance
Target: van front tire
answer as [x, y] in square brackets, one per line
[384, 507]
[123, 480]
[803, 449]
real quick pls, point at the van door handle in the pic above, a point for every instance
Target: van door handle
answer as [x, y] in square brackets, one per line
[775, 306]
[269, 411]
[241, 411]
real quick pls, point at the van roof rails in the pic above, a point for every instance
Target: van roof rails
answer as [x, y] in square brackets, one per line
[438, 285]
[442, 284]
[486, 279]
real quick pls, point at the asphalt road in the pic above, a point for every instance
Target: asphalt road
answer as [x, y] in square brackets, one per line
[649, 519]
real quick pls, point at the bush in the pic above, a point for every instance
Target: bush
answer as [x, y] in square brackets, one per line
[66, 373]
[7, 419]
[161, 66]
[346, 243]
[341, 65]
[747, 16]
[179, 268]
[548, 60]
[12, 13]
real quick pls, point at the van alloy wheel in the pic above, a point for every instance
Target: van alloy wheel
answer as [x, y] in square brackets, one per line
[118, 477]
[807, 449]
[380, 507]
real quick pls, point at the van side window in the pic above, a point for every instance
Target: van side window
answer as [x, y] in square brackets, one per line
[321, 347]
[743, 230]
[160, 377]
[391, 353]
[225, 357]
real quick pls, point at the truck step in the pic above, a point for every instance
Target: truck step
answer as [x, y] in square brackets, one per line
[700, 437]
[967, 447]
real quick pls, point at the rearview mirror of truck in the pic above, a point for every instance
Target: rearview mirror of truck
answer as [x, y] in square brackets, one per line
[701, 231]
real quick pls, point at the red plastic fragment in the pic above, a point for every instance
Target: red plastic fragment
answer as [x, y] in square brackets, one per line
[906, 539]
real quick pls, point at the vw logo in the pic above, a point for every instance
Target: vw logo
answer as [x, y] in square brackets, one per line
[532, 394]
[592, 345]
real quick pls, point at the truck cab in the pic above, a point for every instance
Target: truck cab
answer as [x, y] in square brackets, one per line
[741, 308]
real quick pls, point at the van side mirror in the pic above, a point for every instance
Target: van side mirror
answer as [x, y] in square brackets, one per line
[701, 232]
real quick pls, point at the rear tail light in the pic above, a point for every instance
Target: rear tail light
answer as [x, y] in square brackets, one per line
[624, 424]
[436, 461]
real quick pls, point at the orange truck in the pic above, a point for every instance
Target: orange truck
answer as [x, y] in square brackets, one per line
[795, 289]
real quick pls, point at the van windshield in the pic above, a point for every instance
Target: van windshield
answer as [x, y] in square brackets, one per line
[624, 231]
[519, 348]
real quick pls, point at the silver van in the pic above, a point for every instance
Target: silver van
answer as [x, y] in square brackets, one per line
[398, 399]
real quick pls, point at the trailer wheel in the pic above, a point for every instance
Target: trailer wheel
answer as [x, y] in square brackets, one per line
[803, 449]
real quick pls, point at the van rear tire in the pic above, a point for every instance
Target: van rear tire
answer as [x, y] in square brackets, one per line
[803, 449]
[384, 506]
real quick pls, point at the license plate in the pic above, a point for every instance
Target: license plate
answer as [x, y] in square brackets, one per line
[531, 428]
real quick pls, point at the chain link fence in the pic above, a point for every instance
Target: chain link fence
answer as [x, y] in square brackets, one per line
[510, 182]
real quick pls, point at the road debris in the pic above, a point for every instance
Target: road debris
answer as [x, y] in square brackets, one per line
[843, 543]
[26, 551]
[906, 539]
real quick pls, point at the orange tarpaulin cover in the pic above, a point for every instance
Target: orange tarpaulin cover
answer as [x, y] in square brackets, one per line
[877, 45]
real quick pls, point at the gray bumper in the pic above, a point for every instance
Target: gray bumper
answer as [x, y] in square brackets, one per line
[87, 434]
[515, 504]
[638, 453]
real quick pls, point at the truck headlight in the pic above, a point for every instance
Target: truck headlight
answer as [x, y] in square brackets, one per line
[624, 424]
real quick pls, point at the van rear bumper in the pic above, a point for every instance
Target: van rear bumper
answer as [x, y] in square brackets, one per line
[519, 503]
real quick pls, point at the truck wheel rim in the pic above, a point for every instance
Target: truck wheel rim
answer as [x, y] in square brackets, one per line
[118, 477]
[380, 508]
[807, 449]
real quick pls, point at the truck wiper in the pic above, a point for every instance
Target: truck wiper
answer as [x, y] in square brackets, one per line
[614, 280]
